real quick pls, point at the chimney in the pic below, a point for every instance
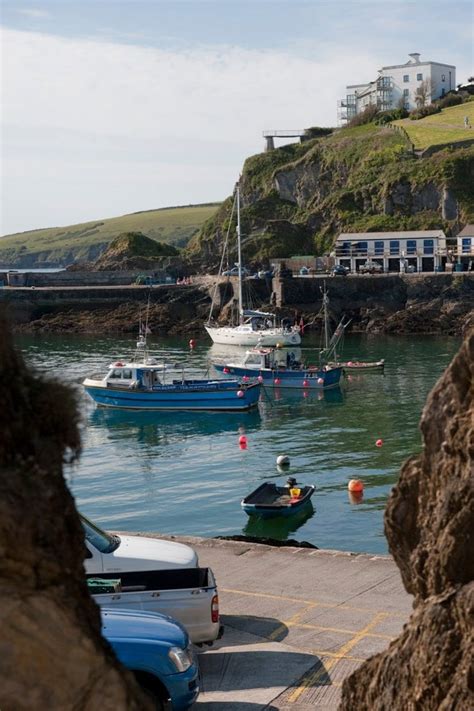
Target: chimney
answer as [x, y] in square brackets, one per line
[415, 57]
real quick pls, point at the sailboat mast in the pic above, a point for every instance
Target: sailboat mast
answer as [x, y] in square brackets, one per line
[239, 255]
[326, 318]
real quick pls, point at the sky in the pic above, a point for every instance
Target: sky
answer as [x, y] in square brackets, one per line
[113, 106]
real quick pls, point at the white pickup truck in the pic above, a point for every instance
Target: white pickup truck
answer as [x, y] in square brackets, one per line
[154, 576]
[110, 553]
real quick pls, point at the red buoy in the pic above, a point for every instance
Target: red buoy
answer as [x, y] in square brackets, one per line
[242, 439]
[379, 443]
[192, 343]
[355, 485]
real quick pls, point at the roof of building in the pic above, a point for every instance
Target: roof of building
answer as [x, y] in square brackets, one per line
[408, 234]
[407, 65]
[468, 231]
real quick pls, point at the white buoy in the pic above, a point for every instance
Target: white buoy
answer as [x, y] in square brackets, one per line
[283, 460]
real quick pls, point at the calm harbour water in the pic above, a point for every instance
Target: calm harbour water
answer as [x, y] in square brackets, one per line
[184, 473]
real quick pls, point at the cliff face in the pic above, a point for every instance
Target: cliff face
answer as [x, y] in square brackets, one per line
[429, 524]
[52, 653]
[297, 198]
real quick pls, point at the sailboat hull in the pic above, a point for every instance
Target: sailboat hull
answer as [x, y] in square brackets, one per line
[245, 336]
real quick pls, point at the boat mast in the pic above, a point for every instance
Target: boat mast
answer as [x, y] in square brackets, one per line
[239, 255]
[326, 317]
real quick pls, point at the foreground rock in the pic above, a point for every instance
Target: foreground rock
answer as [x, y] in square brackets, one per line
[52, 653]
[429, 523]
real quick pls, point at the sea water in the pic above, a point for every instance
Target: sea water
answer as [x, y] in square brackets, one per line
[184, 473]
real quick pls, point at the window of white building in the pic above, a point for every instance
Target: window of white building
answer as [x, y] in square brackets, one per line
[406, 92]
[443, 77]
[406, 78]
[419, 77]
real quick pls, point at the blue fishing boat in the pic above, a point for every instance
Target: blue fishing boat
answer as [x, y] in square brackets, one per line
[272, 368]
[270, 500]
[146, 384]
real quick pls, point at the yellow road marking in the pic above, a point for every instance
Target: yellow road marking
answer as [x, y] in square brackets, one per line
[328, 605]
[291, 622]
[314, 677]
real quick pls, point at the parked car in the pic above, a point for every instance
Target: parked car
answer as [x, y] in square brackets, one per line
[370, 267]
[152, 575]
[188, 595]
[235, 272]
[157, 650]
[340, 270]
[110, 553]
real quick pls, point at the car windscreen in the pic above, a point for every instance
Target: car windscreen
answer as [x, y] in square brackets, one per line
[104, 542]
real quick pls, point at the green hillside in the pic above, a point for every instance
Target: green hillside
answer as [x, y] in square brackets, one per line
[65, 245]
[298, 198]
[445, 127]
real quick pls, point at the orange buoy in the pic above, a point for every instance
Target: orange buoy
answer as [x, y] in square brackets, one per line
[355, 485]
[379, 443]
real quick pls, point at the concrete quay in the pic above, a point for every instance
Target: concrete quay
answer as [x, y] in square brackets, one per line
[297, 622]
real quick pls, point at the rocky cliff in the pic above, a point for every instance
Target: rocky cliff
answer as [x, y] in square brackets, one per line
[297, 198]
[52, 653]
[429, 524]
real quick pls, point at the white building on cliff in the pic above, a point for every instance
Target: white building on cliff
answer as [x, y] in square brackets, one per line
[396, 86]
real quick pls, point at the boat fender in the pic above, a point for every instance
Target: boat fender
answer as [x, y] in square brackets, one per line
[320, 381]
[240, 393]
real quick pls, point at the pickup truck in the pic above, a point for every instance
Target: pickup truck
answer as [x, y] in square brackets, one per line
[157, 650]
[110, 553]
[155, 576]
[189, 595]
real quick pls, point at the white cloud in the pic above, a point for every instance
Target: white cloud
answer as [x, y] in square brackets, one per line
[33, 12]
[98, 128]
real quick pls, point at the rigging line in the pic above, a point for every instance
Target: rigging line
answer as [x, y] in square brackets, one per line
[224, 250]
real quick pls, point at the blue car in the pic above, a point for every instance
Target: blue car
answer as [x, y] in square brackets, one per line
[157, 650]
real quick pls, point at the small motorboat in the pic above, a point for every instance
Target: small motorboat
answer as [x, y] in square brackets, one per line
[361, 366]
[270, 500]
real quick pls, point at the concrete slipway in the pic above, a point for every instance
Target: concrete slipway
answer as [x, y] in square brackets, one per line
[297, 622]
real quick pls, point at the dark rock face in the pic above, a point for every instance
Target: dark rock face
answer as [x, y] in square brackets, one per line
[429, 523]
[52, 653]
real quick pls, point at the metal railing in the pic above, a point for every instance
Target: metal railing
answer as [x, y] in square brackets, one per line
[285, 134]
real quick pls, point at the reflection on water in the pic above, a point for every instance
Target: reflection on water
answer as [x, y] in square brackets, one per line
[184, 473]
[152, 426]
[279, 527]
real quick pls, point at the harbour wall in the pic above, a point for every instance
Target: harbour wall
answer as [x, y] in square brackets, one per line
[438, 303]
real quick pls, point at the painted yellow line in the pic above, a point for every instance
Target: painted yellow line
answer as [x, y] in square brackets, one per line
[313, 678]
[291, 622]
[328, 605]
[304, 626]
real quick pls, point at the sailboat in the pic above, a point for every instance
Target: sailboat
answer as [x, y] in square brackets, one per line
[254, 327]
[328, 355]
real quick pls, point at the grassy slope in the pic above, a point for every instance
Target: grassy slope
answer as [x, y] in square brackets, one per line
[446, 127]
[350, 175]
[174, 226]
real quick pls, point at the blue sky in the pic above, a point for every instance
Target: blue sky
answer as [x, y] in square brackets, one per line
[114, 106]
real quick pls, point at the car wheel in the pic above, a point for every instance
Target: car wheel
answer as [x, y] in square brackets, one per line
[157, 701]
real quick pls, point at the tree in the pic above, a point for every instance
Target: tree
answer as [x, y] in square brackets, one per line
[423, 93]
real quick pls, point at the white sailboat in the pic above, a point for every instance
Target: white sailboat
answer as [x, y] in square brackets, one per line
[254, 327]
